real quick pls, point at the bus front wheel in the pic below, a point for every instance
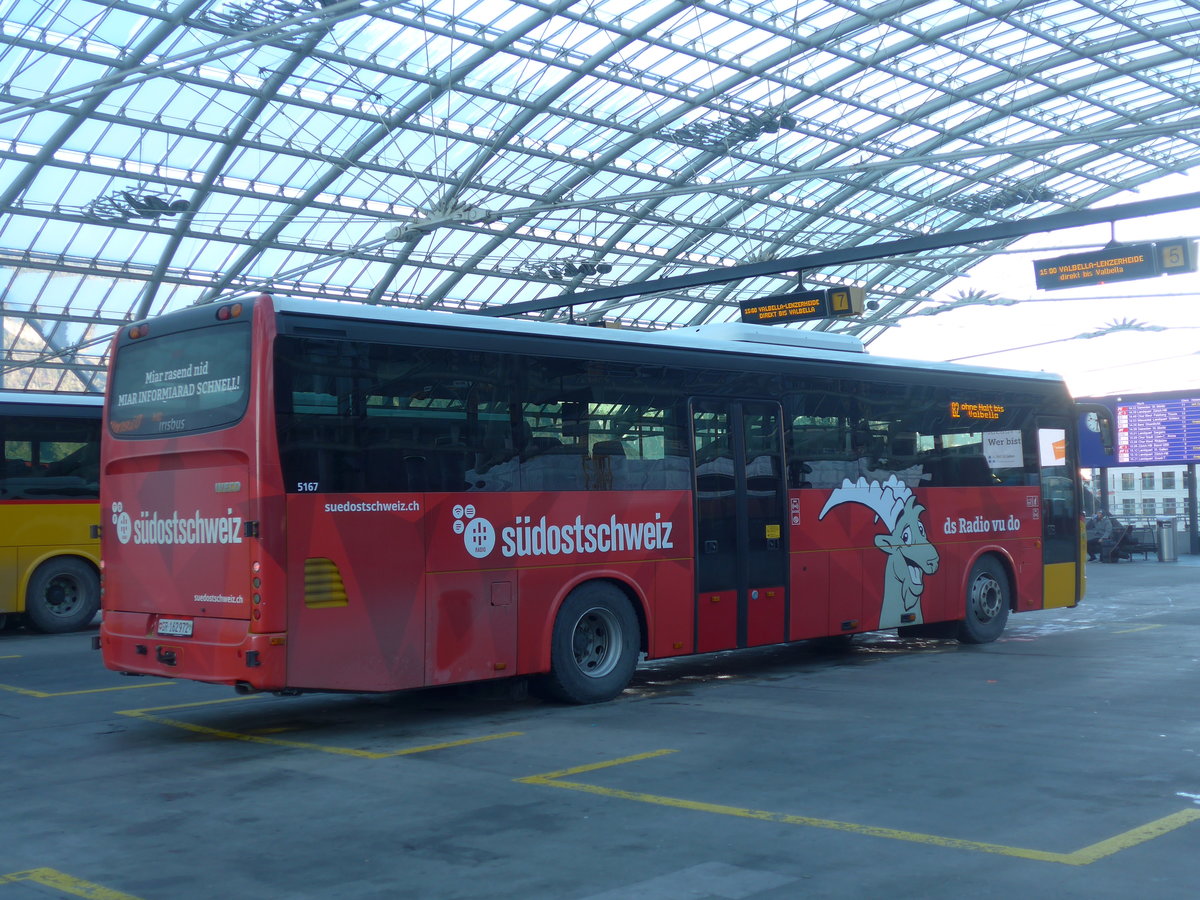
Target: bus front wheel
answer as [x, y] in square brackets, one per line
[63, 595]
[988, 600]
[594, 647]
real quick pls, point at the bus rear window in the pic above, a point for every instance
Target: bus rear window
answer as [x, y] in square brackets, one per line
[189, 381]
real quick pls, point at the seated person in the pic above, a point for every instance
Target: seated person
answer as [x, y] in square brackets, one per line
[1099, 529]
[1123, 535]
[1114, 540]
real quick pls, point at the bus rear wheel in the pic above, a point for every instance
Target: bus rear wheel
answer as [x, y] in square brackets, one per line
[594, 647]
[987, 603]
[63, 595]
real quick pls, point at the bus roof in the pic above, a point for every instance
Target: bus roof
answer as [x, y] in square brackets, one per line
[731, 337]
[52, 398]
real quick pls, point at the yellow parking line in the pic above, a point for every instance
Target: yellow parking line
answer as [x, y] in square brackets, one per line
[42, 694]
[1082, 857]
[193, 727]
[66, 884]
[1139, 628]
[13, 656]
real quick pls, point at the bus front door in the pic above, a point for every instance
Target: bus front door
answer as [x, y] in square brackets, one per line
[741, 552]
[1060, 513]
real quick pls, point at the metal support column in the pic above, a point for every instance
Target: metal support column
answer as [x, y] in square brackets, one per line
[1193, 525]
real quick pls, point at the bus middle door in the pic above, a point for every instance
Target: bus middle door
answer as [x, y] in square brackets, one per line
[1059, 511]
[741, 553]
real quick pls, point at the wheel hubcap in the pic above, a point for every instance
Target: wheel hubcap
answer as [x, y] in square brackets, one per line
[62, 596]
[986, 598]
[596, 642]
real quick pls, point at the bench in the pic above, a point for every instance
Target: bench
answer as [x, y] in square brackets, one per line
[1126, 542]
[1142, 540]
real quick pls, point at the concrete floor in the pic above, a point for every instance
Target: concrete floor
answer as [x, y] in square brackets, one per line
[1062, 761]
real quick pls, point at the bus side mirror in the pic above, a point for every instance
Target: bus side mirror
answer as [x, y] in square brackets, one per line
[1106, 433]
[1104, 423]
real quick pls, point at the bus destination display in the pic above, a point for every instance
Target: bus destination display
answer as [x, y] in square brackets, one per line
[1159, 431]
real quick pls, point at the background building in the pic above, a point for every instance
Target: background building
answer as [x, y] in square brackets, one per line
[1142, 494]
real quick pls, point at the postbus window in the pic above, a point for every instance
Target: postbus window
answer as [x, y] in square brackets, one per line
[50, 459]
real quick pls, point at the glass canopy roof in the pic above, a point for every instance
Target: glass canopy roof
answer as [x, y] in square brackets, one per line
[458, 154]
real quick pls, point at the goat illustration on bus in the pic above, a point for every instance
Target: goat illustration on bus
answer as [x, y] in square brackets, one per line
[910, 555]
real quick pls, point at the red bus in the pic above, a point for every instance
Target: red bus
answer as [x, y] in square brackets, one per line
[303, 496]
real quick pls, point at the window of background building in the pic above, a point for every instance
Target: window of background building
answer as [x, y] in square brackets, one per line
[1148, 507]
[1127, 481]
[1128, 505]
[1147, 481]
[1168, 482]
[1168, 506]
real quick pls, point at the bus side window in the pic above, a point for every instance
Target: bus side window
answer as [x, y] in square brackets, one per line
[51, 459]
[554, 455]
[816, 455]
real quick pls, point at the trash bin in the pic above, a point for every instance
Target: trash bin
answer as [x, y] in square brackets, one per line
[1166, 540]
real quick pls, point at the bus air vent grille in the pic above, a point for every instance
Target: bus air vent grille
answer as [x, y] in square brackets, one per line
[323, 585]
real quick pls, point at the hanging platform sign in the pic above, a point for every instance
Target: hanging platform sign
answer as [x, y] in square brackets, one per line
[793, 307]
[1124, 263]
[802, 305]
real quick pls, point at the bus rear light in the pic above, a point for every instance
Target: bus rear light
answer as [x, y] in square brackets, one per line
[256, 567]
[139, 331]
[229, 311]
[258, 613]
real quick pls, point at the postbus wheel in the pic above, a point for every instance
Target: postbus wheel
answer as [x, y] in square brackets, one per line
[63, 595]
[987, 603]
[594, 647]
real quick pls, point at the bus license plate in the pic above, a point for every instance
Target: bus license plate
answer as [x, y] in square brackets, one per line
[175, 627]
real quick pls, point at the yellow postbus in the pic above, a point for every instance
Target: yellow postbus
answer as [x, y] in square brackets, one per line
[49, 509]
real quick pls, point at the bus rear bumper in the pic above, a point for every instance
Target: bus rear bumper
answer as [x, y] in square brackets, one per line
[219, 651]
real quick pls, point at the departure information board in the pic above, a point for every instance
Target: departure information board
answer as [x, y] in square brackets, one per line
[1148, 429]
[799, 305]
[1158, 431]
[1121, 262]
